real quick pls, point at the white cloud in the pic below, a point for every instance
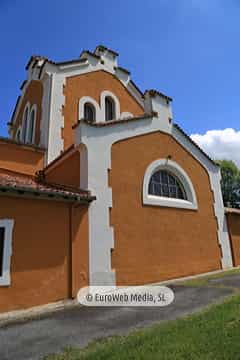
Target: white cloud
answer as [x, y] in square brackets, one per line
[220, 144]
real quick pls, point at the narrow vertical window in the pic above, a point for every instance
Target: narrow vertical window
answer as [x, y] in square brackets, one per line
[6, 229]
[25, 125]
[110, 112]
[18, 135]
[31, 127]
[89, 112]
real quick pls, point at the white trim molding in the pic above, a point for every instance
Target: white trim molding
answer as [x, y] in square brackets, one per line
[214, 178]
[7, 224]
[56, 118]
[19, 131]
[175, 169]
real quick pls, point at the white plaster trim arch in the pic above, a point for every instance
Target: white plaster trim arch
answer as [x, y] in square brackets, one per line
[33, 108]
[105, 94]
[19, 130]
[175, 169]
[7, 224]
[26, 108]
[90, 100]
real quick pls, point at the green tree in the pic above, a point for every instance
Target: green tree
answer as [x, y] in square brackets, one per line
[230, 182]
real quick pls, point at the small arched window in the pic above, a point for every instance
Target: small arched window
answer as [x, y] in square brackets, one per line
[89, 112]
[163, 183]
[31, 126]
[25, 124]
[110, 111]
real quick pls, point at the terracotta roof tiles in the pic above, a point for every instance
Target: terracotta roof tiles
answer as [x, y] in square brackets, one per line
[34, 185]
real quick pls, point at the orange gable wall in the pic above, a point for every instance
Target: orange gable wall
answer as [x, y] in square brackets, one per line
[65, 171]
[42, 269]
[92, 84]
[33, 94]
[80, 249]
[20, 158]
[156, 243]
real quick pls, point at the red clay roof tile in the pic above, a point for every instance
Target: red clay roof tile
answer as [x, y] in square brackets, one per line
[24, 183]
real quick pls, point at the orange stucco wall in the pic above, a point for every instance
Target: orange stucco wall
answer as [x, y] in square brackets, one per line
[80, 249]
[66, 172]
[42, 269]
[156, 243]
[33, 95]
[233, 221]
[20, 158]
[92, 84]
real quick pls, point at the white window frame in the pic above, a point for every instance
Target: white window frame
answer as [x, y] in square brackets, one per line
[7, 224]
[90, 100]
[100, 110]
[28, 140]
[175, 169]
[105, 94]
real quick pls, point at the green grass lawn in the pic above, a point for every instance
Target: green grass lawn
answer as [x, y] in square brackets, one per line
[211, 334]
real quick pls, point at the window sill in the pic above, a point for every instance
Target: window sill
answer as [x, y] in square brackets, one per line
[5, 281]
[169, 202]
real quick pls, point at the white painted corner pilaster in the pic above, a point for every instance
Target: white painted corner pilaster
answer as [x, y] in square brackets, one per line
[44, 128]
[56, 119]
[223, 236]
[214, 177]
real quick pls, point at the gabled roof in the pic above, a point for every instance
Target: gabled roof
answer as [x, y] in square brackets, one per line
[195, 144]
[104, 48]
[153, 93]
[39, 64]
[21, 184]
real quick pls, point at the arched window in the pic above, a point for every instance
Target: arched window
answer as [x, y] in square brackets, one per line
[25, 124]
[31, 126]
[163, 183]
[89, 112]
[166, 183]
[110, 112]
[18, 135]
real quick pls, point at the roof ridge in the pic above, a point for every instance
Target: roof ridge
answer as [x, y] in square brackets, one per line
[114, 122]
[195, 144]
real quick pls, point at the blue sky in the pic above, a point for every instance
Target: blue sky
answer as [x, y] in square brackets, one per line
[188, 49]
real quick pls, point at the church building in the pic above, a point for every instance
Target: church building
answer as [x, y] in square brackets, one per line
[99, 186]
